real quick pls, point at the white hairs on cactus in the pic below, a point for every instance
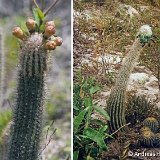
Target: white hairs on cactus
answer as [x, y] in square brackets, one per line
[145, 30]
[144, 34]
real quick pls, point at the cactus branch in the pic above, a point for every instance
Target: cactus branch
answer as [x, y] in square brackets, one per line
[117, 98]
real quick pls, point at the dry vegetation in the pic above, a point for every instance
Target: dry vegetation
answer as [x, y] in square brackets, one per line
[99, 30]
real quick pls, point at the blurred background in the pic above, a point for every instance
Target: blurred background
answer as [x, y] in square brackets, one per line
[14, 13]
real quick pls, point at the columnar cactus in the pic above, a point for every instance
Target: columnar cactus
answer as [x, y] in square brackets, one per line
[116, 101]
[27, 122]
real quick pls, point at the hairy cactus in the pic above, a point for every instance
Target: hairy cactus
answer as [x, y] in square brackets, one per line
[33, 61]
[152, 123]
[116, 101]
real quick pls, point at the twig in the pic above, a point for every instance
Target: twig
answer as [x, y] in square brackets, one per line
[53, 4]
[10, 104]
[120, 129]
[36, 4]
[50, 138]
[49, 128]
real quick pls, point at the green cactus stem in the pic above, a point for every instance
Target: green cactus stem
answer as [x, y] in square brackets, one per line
[27, 120]
[117, 98]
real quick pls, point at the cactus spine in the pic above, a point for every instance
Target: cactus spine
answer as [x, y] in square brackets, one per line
[116, 101]
[28, 111]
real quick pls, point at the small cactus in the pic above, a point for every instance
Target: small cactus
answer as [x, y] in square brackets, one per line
[33, 61]
[138, 108]
[152, 123]
[147, 138]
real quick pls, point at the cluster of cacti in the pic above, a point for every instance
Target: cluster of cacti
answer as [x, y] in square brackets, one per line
[138, 108]
[116, 101]
[149, 137]
[27, 120]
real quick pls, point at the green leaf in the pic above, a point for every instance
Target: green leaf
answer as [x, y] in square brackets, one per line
[96, 137]
[36, 16]
[78, 119]
[24, 28]
[88, 101]
[103, 129]
[94, 89]
[40, 14]
[102, 112]
[75, 155]
[42, 27]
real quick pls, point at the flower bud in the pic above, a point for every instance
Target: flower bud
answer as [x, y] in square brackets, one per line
[17, 32]
[58, 41]
[50, 23]
[49, 31]
[30, 23]
[50, 45]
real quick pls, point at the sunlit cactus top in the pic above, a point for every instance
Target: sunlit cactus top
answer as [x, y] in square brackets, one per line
[145, 34]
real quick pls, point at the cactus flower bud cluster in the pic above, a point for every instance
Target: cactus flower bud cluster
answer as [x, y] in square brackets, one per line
[48, 35]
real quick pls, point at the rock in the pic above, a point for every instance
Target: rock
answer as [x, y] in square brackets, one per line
[129, 10]
[138, 77]
[142, 69]
[144, 8]
[152, 83]
[144, 84]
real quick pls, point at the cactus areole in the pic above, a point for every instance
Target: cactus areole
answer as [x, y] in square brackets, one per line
[28, 111]
[116, 101]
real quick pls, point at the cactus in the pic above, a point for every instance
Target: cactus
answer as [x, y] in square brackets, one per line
[152, 123]
[138, 108]
[28, 111]
[116, 101]
[147, 138]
